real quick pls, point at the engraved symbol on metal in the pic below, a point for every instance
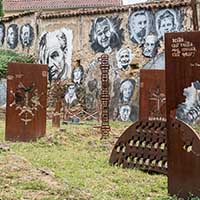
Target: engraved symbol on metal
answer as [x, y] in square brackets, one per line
[27, 101]
[158, 99]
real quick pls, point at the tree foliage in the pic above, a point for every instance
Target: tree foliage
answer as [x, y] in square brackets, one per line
[7, 56]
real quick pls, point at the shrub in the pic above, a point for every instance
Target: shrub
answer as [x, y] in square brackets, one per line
[7, 56]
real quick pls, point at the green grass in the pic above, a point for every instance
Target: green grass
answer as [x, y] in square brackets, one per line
[79, 161]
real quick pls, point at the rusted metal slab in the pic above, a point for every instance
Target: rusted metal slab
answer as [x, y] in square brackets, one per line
[143, 145]
[182, 92]
[152, 104]
[26, 101]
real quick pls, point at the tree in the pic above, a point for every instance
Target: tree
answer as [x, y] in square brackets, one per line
[1, 8]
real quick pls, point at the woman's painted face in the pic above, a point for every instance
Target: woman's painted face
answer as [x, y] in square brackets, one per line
[103, 33]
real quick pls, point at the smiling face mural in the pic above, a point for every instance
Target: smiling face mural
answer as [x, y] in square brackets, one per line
[106, 34]
[167, 20]
[55, 49]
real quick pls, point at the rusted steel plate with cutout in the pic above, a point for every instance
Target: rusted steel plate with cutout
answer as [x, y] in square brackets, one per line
[183, 103]
[152, 95]
[142, 145]
[26, 101]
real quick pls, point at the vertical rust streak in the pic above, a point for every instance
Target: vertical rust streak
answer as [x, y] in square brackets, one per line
[195, 16]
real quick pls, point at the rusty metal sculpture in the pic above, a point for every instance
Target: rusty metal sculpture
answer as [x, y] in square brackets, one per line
[152, 95]
[144, 144]
[105, 97]
[26, 101]
[183, 73]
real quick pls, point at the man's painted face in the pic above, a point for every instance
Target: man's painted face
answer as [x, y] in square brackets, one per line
[77, 73]
[166, 25]
[71, 90]
[140, 25]
[56, 63]
[11, 36]
[125, 58]
[1, 33]
[149, 49]
[25, 35]
[103, 33]
[125, 112]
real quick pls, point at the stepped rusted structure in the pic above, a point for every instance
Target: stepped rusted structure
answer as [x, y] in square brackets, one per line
[182, 71]
[26, 101]
[105, 97]
[144, 144]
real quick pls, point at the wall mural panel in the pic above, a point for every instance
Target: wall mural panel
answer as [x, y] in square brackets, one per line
[2, 33]
[12, 36]
[55, 50]
[106, 34]
[189, 110]
[26, 35]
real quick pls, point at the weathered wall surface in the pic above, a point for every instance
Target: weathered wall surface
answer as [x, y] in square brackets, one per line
[132, 38]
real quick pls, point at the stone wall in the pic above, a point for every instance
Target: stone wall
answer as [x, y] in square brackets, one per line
[71, 42]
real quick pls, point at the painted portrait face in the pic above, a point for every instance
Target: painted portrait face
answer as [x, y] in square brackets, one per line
[126, 90]
[77, 73]
[55, 50]
[71, 90]
[56, 63]
[25, 35]
[166, 21]
[125, 112]
[103, 33]
[12, 36]
[150, 47]
[2, 34]
[166, 25]
[191, 96]
[124, 58]
[139, 25]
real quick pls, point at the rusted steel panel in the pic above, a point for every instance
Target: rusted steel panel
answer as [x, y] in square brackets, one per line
[26, 101]
[182, 92]
[142, 145]
[152, 104]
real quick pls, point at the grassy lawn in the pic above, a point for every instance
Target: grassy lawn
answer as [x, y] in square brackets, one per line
[73, 164]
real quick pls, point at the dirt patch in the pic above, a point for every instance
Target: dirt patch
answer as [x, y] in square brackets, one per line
[20, 180]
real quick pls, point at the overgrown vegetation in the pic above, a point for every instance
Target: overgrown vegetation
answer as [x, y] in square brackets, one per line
[1, 7]
[7, 56]
[73, 164]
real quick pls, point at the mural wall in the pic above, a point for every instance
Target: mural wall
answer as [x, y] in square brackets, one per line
[71, 46]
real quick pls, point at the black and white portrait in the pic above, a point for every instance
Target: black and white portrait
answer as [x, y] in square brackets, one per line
[55, 50]
[157, 62]
[167, 20]
[124, 57]
[12, 36]
[127, 87]
[124, 113]
[26, 35]
[3, 88]
[150, 46]
[106, 34]
[2, 33]
[139, 25]
[70, 95]
[77, 75]
[189, 110]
